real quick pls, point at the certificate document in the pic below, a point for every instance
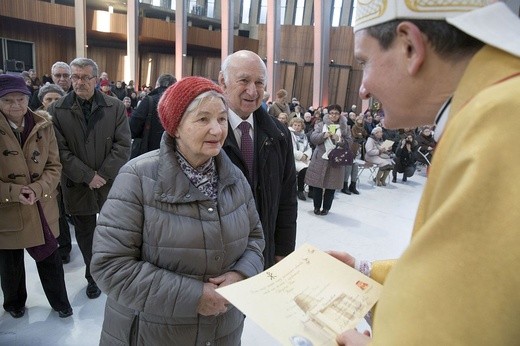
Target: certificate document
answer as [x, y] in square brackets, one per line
[306, 299]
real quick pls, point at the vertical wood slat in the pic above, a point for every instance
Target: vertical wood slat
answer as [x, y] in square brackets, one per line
[297, 46]
[307, 80]
[38, 11]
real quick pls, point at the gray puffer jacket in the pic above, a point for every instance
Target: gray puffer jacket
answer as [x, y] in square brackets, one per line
[159, 239]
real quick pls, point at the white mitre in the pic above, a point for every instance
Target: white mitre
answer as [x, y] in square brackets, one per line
[495, 24]
[374, 12]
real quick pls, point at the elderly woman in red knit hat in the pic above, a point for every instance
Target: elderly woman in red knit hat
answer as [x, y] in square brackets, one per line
[179, 222]
[29, 175]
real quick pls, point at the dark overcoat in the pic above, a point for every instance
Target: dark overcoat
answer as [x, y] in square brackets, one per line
[102, 146]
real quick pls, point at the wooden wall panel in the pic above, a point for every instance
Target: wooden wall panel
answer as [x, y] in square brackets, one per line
[51, 44]
[288, 73]
[297, 46]
[38, 11]
[212, 68]
[356, 76]
[203, 37]
[240, 43]
[51, 28]
[342, 45]
[159, 64]
[156, 29]
[307, 83]
[103, 21]
[338, 85]
[109, 60]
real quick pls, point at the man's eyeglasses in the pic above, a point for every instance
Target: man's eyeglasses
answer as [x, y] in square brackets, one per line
[334, 113]
[86, 78]
[62, 75]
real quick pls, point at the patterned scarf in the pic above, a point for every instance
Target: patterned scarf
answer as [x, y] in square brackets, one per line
[205, 178]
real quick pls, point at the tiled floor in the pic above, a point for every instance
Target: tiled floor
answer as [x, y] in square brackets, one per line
[374, 225]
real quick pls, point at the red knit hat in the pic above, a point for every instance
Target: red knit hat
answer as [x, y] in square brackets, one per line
[176, 99]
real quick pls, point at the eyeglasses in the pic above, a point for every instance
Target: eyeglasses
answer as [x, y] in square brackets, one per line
[86, 78]
[334, 113]
[62, 75]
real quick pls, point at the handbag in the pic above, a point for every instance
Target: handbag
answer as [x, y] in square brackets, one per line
[41, 252]
[341, 157]
[140, 144]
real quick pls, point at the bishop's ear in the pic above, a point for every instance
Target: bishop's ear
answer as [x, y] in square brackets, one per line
[413, 43]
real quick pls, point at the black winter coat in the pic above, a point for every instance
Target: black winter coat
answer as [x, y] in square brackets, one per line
[138, 118]
[404, 158]
[274, 185]
[102, 146]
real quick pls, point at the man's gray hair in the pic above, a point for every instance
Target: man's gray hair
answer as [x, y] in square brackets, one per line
[84, 62]
[60, 64]
[165, 80]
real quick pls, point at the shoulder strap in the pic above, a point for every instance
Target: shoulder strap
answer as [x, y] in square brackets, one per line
[150, 106]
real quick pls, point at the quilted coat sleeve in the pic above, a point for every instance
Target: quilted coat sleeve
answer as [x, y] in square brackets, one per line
[117, 264]
[252, 261]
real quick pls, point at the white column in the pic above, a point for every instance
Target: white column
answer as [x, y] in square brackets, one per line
[227, 31]
[80, 8]
[132, 39]
[181, 27]
[322, 24]
[273, 46]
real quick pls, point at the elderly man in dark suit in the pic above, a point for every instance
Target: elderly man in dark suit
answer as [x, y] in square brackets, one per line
[262, 148]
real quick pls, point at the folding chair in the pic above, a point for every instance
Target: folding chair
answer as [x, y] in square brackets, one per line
[422, 156]
[362, 165]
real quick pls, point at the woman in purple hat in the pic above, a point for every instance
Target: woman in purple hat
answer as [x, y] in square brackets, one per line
[29, 174]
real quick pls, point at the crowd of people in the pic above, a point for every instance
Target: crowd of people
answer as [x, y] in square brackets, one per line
[71, 157]
[221, 171]
[363, 136]
[85, 167]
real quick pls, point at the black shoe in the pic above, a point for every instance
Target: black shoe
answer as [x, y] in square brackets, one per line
[394, 180]
[346, 190]
[301, 195]
[404, 178]
[352, 188]
[324, 212]
[317, 212]
[17, 313]
[65, 258]
[92, 290]
[65, 313]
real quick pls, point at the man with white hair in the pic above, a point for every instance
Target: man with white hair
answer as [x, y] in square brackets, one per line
[262, 148]
[457, 283]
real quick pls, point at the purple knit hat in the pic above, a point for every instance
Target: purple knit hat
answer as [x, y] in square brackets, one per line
[12, 84]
